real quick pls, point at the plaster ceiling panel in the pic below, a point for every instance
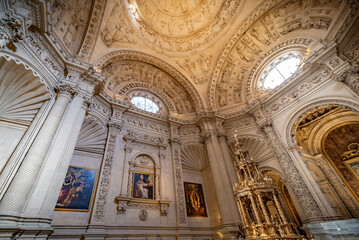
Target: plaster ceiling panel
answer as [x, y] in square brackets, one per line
[181, 25]
[69, 22]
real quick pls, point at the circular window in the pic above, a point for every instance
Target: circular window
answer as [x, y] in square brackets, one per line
[145, 104]
[279, 70]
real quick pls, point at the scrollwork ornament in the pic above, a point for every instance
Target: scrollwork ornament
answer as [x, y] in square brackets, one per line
[292, 175]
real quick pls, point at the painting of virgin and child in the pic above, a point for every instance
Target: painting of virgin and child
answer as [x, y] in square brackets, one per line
[76, 191]
[142, 185]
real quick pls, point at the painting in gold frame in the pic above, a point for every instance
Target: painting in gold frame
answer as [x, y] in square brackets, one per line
[353, 166]
[77, 189]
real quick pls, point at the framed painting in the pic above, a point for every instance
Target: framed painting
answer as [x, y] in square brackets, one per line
[143, 185]
[353, 166]
[195, 204]
[77, 189]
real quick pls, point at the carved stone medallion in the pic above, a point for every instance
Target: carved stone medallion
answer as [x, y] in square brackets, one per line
[143, 215]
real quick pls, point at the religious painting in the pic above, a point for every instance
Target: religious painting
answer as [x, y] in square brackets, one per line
[76, 191]
[353, 166]
[143, 185]
[195, 204]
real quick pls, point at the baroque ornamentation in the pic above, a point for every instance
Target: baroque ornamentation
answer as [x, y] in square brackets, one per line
[123, 75]
[188, 26]
[165, 67]
[254, 37]
[104, 183]
[293, 178]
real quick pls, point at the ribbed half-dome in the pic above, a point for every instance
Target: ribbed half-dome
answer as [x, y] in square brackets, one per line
[194, 157]
[21, 93]
[92, 137]
[258, 149]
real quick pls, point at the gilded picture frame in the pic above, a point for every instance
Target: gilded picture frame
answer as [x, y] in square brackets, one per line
[77, 190]
[353, 166]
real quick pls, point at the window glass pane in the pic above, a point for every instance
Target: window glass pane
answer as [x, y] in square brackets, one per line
[280, 72]
[288, 67]
[145, 104]
[273, 79]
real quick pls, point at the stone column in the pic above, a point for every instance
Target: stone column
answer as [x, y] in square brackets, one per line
[46, 191]
[224, 196]
[228, 160]
[16, 197]
[310, 209]
[99, 208]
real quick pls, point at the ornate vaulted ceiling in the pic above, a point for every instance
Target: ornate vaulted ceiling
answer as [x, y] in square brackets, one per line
[218, 48]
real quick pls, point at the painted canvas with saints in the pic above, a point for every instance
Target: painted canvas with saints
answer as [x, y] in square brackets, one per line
[76, 191]
[195, 203]
[142, 185]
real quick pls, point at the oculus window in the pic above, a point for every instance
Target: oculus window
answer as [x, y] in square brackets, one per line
[279, 70]
[145, 104]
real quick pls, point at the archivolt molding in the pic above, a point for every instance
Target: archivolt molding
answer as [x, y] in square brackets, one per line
[127, 89]
[296, 117]
[267, 24]
[296, 44]
[93, 28]
[146, 58]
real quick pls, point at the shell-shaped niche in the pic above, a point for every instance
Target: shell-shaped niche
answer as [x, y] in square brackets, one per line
[21, 93]
[92, 137]
[194, 157]
[258, 149]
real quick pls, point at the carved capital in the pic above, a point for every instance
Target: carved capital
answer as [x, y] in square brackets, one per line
[66, 90]
[115, 127]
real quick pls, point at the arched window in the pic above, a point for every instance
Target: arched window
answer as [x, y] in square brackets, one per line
[279, 70]
[145, 104]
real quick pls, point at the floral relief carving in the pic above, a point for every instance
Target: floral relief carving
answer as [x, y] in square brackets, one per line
[309, 207]
[104, 183]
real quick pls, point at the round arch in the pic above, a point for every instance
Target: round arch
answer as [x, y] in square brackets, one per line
[152, 60]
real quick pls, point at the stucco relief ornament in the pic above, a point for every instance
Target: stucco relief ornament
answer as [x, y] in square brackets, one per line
[143, 215]
[10, 33]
